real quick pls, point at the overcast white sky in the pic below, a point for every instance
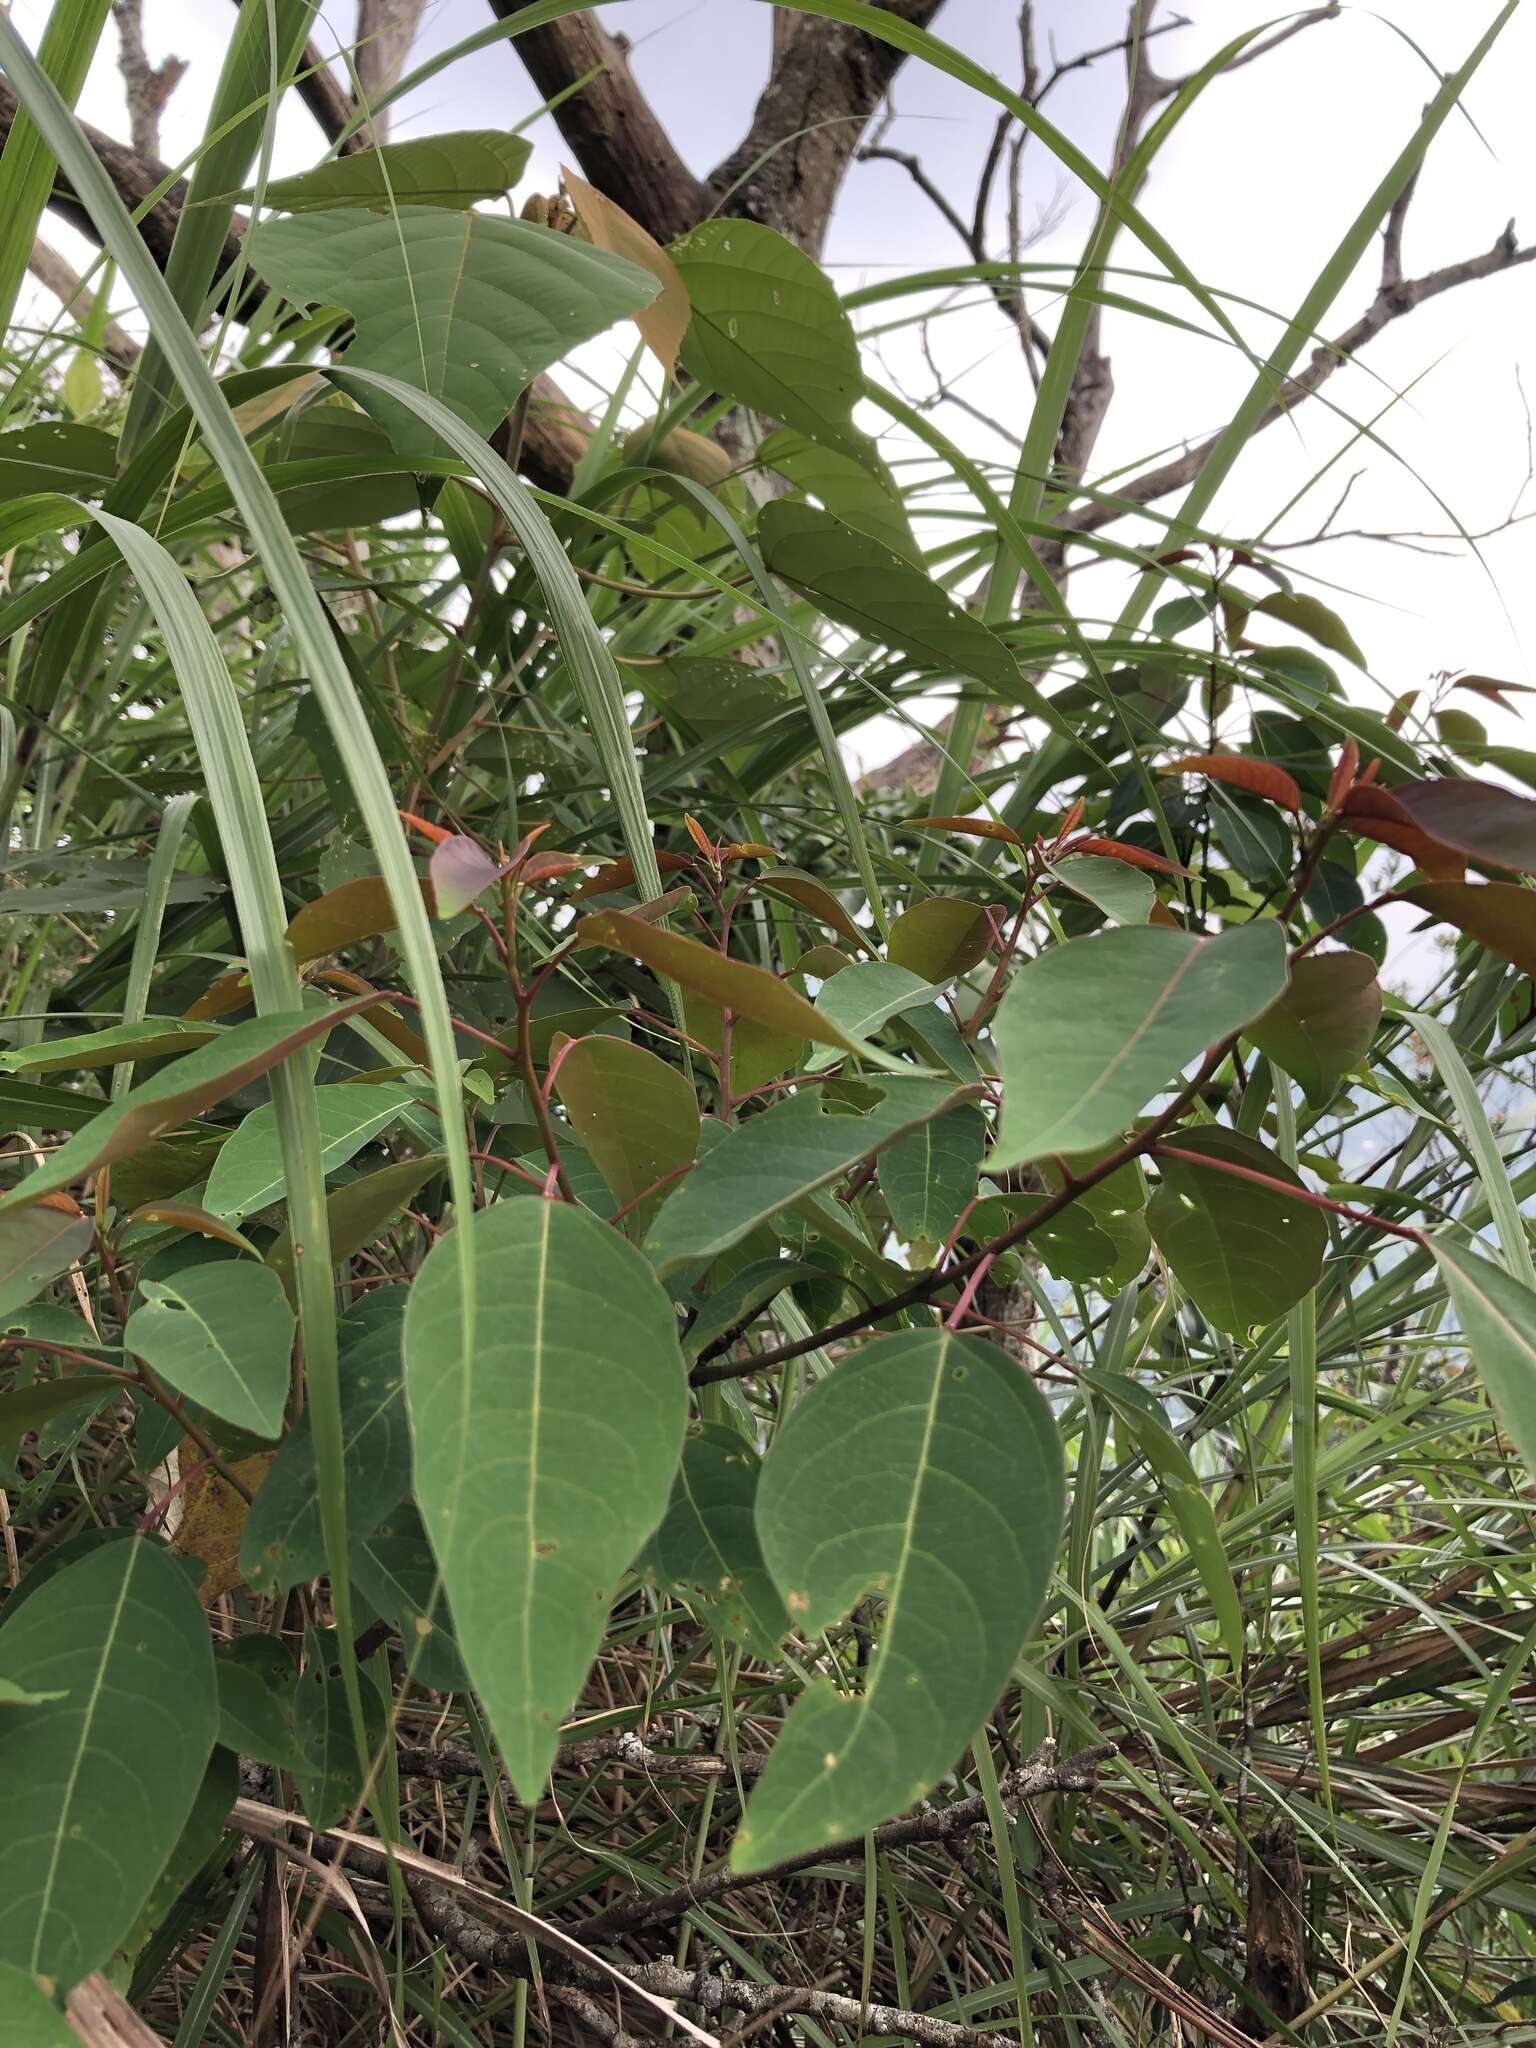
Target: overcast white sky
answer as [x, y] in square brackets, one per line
[1253, 191]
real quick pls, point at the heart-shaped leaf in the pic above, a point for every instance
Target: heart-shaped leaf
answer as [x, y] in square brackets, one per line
[1324, 1023]
[546, 1439]
[926, 1469]
[1245, 1253]
[467, 307]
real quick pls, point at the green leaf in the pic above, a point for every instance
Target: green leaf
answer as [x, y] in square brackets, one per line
[928, 1176]
[940, 937]
[1498, 1315]
[248, 1173]
[707, 1550]
[637, 1118]
[864, 584]
[1185, 1499]
[257, 1683]
[862, 999]
[222, 1334]
[762, 1165]
[25, 1409]
[28, 2018]
[545, 1456]
[99, 1784]
[467, 307]
[454, 170]
[1310, 616]
[925, 1469]
[769, 331]
[1123, 893]
[1092, 1029]
[179, 1093]
[735, 984]
[397, 1575]
[1245, 1253]
[152, 1038]
[361, 1211]
[281, 1544]
[328, 1775]
[1324, 1023]
[38, 1244]
[860, 493]
[1499, 915]
[53, 455]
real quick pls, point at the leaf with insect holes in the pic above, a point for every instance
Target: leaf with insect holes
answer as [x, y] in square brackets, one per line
[1240, 771]
[1245, 1253]
[864, 584]
[1324, 1023]
[179, 1093]
[1498, 1315]
[1090, 1031]
[466, 307]
[637, 1117]
[222, 1334]
[545, 1443]
[925, 1470]
[1499, 915]
[101, 1778]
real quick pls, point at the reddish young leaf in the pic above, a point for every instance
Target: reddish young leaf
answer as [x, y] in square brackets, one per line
[1499, 915]
[460, 869]
[1482, 820]
[1259, 778]
[977, 828]
[1372, 813]
[1342, 780]
[1133, 856]
[436, 833]
[620, 874]
[356, 910]
[1494, 689]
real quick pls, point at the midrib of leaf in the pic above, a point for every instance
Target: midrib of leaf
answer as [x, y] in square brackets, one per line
[866, 1700]
[535, 1420]
[86, 1725]
[203, 1324]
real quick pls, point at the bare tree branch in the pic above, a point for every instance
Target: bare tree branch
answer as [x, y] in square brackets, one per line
[1265, 44]
[386, 30]
[609, 124]
[60, 278]
[1391, 303]
[147, 86]
[827, 81]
